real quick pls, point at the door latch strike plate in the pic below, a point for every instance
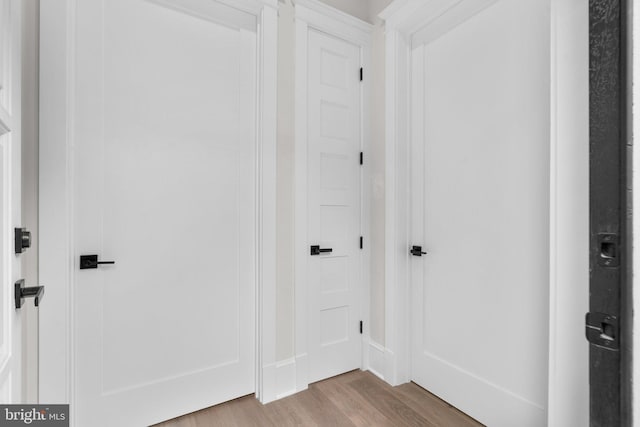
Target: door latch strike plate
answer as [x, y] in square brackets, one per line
[602, 330]
[608, 251]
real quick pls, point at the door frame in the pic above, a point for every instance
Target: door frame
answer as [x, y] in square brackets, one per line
[315, 15]
[57, 341]
[611, 284]
[569, 197]
[12, 367]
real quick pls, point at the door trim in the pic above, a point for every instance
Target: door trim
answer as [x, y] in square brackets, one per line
[568, 282]
[12, 375]
[312, 14]
[56, 240]
[568, 399]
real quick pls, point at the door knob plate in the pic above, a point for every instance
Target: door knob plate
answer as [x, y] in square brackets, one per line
[316, 250]
[417, 251]
[91, 261]
[22, 240]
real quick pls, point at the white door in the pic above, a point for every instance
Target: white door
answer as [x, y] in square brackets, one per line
[164, 165]
[333, 205]
[480, 177]
[10, 331]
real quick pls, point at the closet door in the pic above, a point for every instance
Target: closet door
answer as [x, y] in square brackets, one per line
[164, 208]
[480, 201]
[333, 211]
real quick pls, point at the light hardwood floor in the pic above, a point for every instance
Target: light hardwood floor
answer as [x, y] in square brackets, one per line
[356, 398]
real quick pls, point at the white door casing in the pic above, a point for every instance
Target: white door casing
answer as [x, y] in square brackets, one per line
[331, 202]
[479, 181]
[411, 22]
[167, 167]
[10, 196]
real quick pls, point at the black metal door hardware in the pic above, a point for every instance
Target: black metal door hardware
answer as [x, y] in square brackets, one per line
[417, 251]
[20, 293]
[91, 261]
[608, 245]
[602, 330]
[315, 250]
[22, 240]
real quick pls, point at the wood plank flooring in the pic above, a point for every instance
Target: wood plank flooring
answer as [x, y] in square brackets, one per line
[356, 398]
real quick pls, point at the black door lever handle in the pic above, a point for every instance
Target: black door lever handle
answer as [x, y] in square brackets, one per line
[417, 251]
[91, 261]
[315, 250]
[21, 292]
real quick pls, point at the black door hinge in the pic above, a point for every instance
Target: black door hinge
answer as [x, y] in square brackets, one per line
[361, 73]
[361, 326]
[361, 242]
[361, 158]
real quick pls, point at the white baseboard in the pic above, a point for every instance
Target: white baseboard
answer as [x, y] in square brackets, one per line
[389, 364]
[286, 378]
[302, 375]
[376, 359]
[289, 376]
[445, 380]
[281, 379]
[269, 384]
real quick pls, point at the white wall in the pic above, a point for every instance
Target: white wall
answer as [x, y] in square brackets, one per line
[284, 188]
[357, 8]
[375, 7]
[376, 157]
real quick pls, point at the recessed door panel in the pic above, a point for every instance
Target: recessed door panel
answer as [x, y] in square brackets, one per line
[334, 274]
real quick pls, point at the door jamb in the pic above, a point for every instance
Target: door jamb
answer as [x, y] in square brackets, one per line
[11, 125]
[57, 344]
[568, 388]
[312, 14]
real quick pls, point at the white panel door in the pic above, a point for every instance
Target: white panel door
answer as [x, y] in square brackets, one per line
[480, 177]
[10, 191]
[164, 172]
[333, 206]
